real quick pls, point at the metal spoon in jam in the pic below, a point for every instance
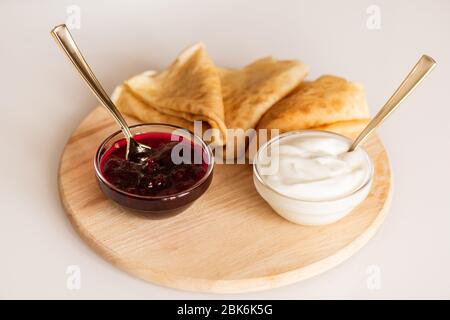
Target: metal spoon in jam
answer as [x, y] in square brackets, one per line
[135, 152]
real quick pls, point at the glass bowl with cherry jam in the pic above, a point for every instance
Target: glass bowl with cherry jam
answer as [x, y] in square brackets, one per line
[176, 171]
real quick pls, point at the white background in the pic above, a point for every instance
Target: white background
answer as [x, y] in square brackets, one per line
[42, 100]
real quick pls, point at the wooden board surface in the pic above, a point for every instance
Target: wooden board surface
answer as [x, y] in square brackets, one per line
[230, 240]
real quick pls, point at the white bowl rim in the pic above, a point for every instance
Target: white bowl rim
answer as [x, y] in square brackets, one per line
[329, 133]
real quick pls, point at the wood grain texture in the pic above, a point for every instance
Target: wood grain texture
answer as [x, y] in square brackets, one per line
[229, 241]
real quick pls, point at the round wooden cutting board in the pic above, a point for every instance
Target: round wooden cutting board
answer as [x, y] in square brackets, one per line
[230, 240]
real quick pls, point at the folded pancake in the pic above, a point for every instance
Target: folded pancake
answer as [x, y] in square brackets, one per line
[131, 104]
[349, 129]
[249, 92]
[328, 103]
[188, 90]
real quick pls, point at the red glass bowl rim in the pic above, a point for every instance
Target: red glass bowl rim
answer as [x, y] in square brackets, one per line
[204, 145]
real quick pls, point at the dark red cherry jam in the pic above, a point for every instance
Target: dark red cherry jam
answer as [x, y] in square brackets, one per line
[178, 170]
[174, 165]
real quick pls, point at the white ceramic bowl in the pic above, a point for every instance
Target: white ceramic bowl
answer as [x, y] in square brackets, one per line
[307, 212]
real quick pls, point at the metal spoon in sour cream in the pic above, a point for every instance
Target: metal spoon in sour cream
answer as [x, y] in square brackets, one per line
[309, 177]
[315, 167]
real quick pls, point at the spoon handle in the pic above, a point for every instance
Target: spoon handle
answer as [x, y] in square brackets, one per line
[415, 76]
[70, 48]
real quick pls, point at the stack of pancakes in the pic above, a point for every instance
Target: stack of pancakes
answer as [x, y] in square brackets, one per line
[266, 94]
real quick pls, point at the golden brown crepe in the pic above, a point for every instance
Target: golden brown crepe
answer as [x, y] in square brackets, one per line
[131, 104]
[192, 88]
[249, 92]
[319, 104]
[268, 94]
[188, 90]
[349, 129]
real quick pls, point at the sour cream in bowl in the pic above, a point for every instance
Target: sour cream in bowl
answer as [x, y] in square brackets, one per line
[310, 178]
